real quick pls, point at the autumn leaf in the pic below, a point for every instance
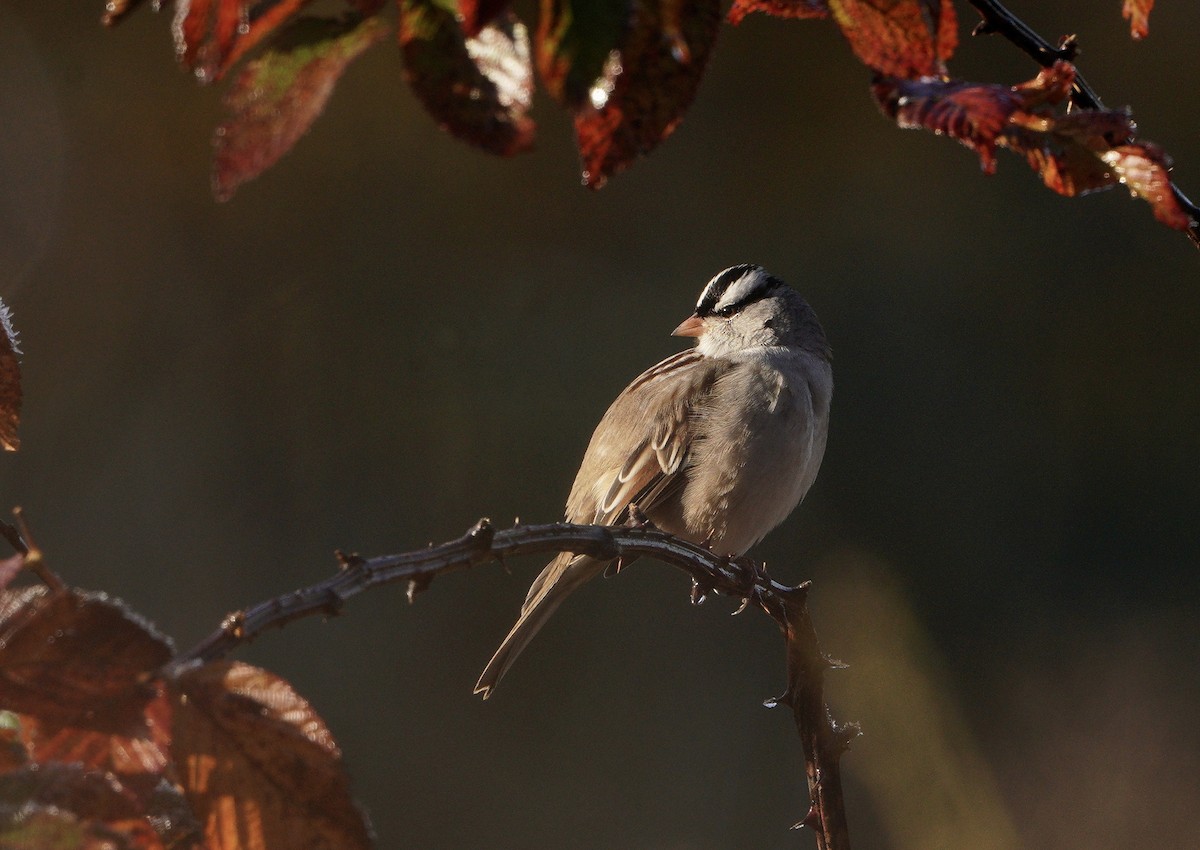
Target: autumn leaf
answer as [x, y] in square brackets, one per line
[779, 9]
[574, 41]
[475, 14]
[76, 669]
[1137, 12]
[259, 766]
[278, 95]
[899, 38]
[10, 382]
[1074, 153]
[647, 86]
[479, 89]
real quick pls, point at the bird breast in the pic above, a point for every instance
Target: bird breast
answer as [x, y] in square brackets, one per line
[760, 441]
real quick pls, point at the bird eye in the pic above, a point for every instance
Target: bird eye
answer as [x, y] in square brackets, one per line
[726, 311]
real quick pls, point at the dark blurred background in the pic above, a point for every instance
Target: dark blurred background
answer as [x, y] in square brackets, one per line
[390, 335]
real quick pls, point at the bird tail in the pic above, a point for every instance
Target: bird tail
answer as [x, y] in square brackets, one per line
[557, 581]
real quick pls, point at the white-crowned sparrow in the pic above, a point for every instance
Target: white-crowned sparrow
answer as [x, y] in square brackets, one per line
[715, 444]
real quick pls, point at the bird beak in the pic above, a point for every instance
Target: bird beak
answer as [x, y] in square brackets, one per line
[693, 325]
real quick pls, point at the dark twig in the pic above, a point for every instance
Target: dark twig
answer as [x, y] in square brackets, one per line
[824, 741]
[998, 20]
[34, 562]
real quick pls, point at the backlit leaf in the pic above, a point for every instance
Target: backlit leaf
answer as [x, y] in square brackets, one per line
[1137, 12]
[75, 667]
[1074, 153]
[573, 42]
[10, 382]
[779, 9]
[479, 88]
[899, 38]
[647, 86]
[258, 765]
[278, 95]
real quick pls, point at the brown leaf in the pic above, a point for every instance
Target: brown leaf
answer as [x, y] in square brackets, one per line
[479, 88]
[779, 9]
[899, 38]
[474, 15]
[76, 668]
[258, 765]
[1137, 12]
[648, 86]
[276, 97]
[1074, 153]
[10, 382]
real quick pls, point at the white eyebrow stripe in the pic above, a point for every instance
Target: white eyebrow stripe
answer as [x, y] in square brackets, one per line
[742, 288]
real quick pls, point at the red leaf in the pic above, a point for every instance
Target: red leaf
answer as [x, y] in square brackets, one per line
[478, 89]
[10, 382]
[1074, 153]
[276, 97]
[264, 21]
[476, 14]
[1137, 12]
[899, 38]
[574, 41]
[779, 9]
[259, 766]
[648, 86]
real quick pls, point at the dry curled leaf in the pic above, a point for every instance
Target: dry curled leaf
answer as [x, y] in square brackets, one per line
[779, 9]
[479, 88]
[276, 97]
[1074, 153]
[647, 85]
[1137, 12]
[10, 382]
[77, 670]
[899, 38]
[258, 764]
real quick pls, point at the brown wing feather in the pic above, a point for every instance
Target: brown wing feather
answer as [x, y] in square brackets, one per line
[646, 440]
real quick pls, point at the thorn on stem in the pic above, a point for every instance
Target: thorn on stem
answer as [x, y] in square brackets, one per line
[234, 625]
[745, 604]
[984, 27]
[482, 533]
[33, 555]
[348, 560]
[1068, 47]
[416, 585]
[700, 592]
[812, 820]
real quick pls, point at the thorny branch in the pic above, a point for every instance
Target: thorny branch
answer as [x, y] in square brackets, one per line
[824, 740]
[1000, 21]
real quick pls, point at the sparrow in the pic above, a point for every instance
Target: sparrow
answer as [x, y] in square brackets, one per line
[716, 444]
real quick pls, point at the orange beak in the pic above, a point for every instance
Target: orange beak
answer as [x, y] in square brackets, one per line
[693, 325]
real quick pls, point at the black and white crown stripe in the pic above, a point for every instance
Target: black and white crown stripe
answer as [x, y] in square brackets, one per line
[734, 288]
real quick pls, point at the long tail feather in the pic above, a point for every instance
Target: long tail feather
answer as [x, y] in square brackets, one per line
[557, 581]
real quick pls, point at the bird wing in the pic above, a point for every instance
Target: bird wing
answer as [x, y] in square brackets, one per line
[643, 443]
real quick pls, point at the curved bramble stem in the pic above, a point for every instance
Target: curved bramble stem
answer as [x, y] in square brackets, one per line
[824, 740]
[1000, 21]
